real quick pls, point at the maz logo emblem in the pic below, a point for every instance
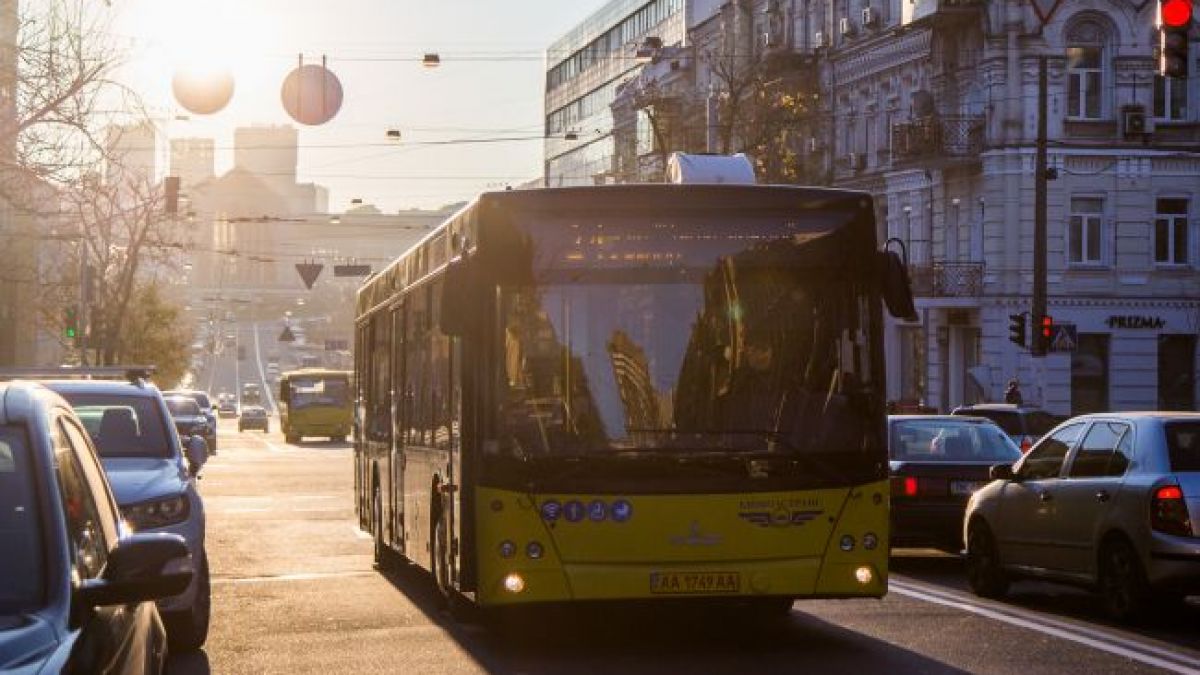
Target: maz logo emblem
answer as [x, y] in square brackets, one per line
[697, 537]
[779, 518]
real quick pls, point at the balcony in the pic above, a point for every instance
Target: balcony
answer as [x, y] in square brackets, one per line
[938, 139]
[947, 279]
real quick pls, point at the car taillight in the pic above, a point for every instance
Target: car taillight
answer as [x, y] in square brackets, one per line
[1169, 513]
[904, 486]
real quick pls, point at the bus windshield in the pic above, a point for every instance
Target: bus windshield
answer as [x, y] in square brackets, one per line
[306, 392]
[757, 342]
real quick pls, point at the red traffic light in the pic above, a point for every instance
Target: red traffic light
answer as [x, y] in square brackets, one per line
[1047, 327]
[1176, 13]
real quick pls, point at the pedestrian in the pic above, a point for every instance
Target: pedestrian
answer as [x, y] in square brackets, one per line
[1013, 393]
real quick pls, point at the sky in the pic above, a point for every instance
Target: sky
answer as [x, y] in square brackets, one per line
[489, 86]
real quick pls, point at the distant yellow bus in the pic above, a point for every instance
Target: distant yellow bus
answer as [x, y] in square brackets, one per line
[315, 402]
[633, 392]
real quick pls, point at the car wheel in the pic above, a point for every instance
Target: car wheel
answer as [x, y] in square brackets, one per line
[1122, 581]
[188, 630]
[984, 571]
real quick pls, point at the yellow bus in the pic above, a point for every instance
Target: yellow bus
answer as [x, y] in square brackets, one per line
[315, 402]
[632, 392]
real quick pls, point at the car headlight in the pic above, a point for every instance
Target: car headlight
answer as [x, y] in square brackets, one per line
[157, 513]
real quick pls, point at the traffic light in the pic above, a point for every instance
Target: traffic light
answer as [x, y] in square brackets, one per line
[1043, 330]
[1174, 23]
[1047, 328]
[70, 323]
[171, 194]
[1016, 329]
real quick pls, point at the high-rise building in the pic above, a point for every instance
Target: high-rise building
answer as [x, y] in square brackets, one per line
[269, 152]
[132, 153]
[584, 69]
[192, 160]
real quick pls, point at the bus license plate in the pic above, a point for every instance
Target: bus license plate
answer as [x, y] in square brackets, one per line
[964, 488]
[686, 583]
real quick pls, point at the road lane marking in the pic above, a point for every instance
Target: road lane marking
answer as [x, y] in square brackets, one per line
[1032, 615]
[303, 576]
[1103, 641]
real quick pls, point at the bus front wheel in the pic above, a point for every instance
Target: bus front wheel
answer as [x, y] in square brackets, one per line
[440, 564]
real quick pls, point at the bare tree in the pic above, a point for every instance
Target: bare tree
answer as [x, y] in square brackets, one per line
[62, 95]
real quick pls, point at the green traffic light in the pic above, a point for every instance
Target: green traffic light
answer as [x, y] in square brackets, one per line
[70, 332]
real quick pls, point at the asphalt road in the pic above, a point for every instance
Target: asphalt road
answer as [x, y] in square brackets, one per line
[295, 592]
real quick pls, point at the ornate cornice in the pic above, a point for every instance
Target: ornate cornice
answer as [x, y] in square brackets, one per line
[903, 48]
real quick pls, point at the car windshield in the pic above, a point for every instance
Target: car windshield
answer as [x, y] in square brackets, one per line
[755, 341]
[183, 407]
[123, 426]
[938, 440]
[21, 585]
[1183, 444]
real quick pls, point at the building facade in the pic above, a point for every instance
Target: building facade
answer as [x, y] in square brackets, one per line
[932, 107]
[584, 68]
[192, 161]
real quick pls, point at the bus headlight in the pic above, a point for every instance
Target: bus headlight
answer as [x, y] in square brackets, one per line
[534, 550]
[514, 583]
[847, 543]
[870, 541]
[864, 575]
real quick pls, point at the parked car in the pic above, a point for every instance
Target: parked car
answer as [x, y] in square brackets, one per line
[937, 462]
[254, 417]
[227, 408]
[190, 420]
[210, 411]
[1023, 424]
[1106, 501]
[153, 473]
[77, 589]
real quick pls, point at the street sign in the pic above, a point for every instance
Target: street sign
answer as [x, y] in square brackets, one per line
[287, 335]
[309, 273]
[337, 345]
[351, 270]
[1064, 338]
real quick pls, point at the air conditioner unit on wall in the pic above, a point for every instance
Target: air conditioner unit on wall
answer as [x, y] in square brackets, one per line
[1135, 124]
[870, 17]
[845, 26]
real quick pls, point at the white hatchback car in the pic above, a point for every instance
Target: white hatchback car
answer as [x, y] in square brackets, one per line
[1106, 501]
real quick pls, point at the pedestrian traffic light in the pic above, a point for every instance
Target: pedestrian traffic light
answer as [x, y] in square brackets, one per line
[70, 323]
[1016, 329]
[1174, 23]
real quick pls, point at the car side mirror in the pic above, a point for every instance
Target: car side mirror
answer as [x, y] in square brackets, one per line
[144, 566]
[197, 453]
[894, 285]
[1002, 472]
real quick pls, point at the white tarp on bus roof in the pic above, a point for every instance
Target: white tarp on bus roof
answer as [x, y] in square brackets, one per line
[711, 169]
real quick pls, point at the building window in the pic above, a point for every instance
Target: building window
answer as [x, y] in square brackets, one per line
[1085, 81]
[1084, 231]
[1176, 372]
[1170, 98]
[1171, 232]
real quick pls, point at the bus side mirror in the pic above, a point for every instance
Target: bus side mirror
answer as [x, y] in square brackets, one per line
[894, 286]
[456, 313]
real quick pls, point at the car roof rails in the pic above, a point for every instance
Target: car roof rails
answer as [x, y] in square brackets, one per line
[138, 375]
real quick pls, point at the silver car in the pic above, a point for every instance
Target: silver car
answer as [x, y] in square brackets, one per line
[1106, 501]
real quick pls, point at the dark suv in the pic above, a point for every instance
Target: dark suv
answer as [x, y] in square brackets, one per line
[1022, 424]
[76, 587]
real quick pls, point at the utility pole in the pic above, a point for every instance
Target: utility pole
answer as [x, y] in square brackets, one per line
[1038, 346]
